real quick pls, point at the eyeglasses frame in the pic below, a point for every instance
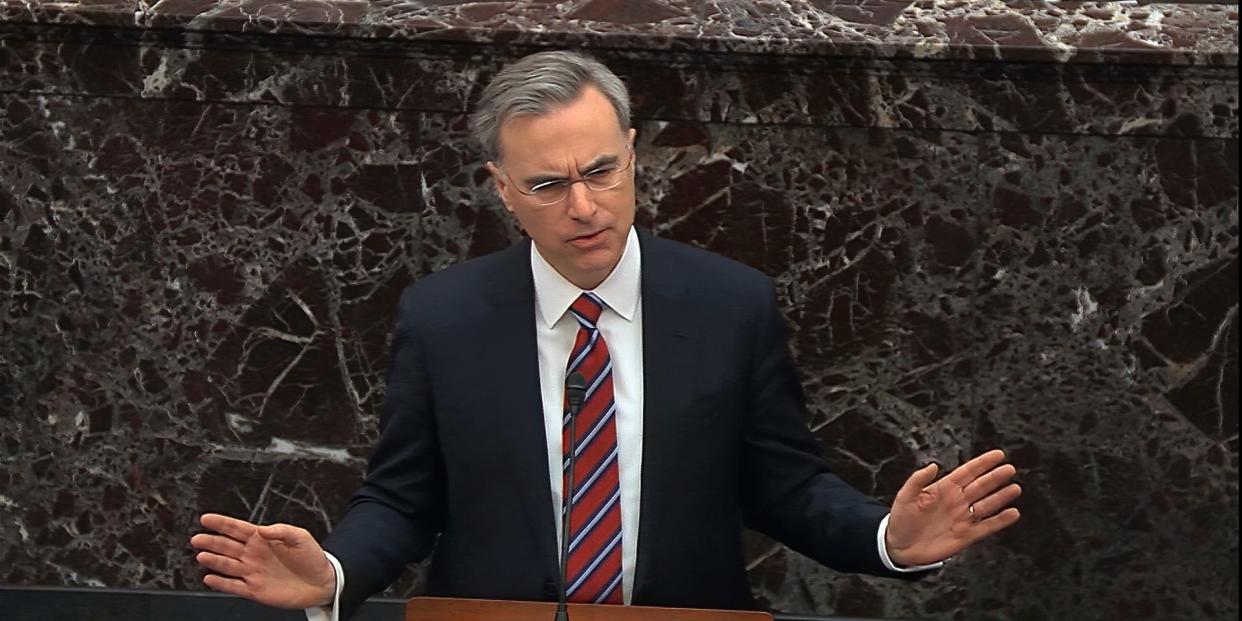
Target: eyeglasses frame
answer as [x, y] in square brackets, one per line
[629, 164]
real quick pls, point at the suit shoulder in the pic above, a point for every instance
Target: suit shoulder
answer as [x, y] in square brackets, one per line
[460, 285]
[706, 271]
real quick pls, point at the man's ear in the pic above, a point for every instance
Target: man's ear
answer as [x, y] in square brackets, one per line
[633, 132]
[501, 184]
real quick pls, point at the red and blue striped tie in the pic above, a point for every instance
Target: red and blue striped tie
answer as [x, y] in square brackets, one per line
[593, 573]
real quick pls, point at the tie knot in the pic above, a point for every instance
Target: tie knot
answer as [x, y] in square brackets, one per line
[587, 309]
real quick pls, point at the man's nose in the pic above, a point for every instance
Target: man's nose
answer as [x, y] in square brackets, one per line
[581, 203]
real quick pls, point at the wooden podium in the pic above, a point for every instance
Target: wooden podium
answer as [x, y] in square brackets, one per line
[446, 609]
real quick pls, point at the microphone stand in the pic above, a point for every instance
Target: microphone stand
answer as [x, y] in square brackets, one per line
[575, 391]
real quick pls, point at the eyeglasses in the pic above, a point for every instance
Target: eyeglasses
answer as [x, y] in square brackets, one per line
[598, 179]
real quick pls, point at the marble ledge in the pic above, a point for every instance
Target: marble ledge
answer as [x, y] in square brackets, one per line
[1029, 31]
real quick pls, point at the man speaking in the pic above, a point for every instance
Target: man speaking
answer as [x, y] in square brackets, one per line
[691, 424]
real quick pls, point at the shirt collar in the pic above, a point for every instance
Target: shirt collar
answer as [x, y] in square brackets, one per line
[554, 294]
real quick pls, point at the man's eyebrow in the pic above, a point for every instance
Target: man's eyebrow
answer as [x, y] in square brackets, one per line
[602, 160]
[542, 178]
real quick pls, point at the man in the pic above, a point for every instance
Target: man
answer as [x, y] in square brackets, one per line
[692, 425]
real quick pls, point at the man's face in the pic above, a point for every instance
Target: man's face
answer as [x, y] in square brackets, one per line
[583, 235]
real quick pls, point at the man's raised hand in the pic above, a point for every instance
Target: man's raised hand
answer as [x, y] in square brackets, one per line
[276, 565]
[933, 520]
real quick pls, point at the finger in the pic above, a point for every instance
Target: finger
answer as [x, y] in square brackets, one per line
[286, 534]
[225, 525]
[990, 482]
[232, 586]
[230, 567]
[909, 492]
[995, 524]
[218, 544]
[975, 468]
[993, 504]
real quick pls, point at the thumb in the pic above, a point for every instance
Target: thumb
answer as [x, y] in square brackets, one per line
[914, 485]
[284, 533]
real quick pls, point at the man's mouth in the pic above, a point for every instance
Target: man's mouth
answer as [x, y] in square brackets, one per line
[587, 240]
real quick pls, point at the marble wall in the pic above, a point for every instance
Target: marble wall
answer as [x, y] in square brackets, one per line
[991, 223]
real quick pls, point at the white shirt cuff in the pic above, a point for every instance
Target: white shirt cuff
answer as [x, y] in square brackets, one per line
[888, 562]
[333, 612]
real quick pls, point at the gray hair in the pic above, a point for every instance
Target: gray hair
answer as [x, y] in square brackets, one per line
[536, 83]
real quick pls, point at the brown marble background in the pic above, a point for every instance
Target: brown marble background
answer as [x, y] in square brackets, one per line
[992, 224]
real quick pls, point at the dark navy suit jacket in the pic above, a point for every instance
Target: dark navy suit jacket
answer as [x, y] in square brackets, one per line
[460, 468]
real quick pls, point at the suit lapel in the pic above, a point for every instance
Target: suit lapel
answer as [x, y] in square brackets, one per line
[669, 349]
[512, 360]
[669, 337]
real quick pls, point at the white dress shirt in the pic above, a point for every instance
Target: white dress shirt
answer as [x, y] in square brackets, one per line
[621, 324]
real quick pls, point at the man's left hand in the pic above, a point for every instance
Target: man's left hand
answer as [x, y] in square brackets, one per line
[932, 520]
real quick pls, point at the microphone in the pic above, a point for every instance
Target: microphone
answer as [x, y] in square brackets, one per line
[575, 394]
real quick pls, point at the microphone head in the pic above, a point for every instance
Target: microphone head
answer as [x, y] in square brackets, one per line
[575, 391]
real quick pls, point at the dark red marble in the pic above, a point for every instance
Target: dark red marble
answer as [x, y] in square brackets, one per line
[1008, 225]
[1070, 32]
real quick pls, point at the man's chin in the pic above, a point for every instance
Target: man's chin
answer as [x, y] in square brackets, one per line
[594, 267]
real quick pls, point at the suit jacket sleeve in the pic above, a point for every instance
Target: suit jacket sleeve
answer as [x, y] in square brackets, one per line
[789, 492]
[394, 518]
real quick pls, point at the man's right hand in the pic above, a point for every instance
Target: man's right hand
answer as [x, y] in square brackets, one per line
[276, 565]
